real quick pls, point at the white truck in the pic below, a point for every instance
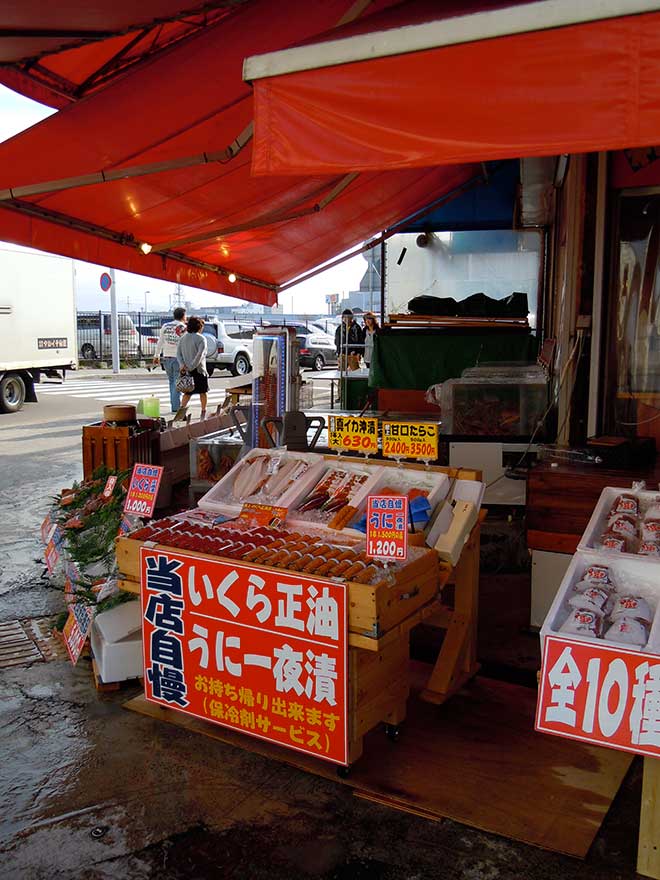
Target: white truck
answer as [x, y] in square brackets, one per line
[38, 331]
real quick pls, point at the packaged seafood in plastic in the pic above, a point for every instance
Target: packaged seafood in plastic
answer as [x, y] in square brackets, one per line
[597, 574]
[623, 524]
[582, 621]
[651, 530]
[632, 606]
[628, 631]
[626, 504]
[614, 543]
[592, 598]
[649, 548]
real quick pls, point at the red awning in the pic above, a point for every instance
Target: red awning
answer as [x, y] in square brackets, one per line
[172, 141]
[571, 88]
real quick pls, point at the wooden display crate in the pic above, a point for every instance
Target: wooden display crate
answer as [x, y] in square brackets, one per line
[118, 448]
[372, 610]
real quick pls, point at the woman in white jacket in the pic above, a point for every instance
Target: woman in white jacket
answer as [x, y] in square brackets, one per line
[191, 355]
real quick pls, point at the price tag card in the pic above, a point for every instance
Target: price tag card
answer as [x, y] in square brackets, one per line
[410, 440]
[142, 492]
[263, 514]
[110, 484]
[387, 527]
[353, 434]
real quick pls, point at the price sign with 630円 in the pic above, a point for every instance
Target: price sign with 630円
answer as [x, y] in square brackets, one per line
[261, 652]
[410, 440]
[353, 434]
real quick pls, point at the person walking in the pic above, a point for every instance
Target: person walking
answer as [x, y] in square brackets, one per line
[348, 337]
[165, 353]
[371, 328]
[191, 357]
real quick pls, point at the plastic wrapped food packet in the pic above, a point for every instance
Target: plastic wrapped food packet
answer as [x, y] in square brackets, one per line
[628, 631]
[651, 530]
[614, 543]
[623, 524]
[632, 606]
[649, 548]
[626, 503]
[597, 574]
[591, 597]
[583, 622]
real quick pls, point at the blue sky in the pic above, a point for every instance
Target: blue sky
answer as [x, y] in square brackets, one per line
[18, 113]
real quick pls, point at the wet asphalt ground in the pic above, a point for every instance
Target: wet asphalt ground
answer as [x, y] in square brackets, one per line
[89, 791]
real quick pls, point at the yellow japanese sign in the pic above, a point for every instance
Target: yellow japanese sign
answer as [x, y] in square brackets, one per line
[353, 434]
[410, 440]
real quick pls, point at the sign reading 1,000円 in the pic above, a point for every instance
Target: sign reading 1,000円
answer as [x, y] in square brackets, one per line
[353, 434]
[410, 440]
[258, 651]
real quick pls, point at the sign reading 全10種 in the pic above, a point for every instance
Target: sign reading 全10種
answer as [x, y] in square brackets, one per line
[353, 434]
[410, 440]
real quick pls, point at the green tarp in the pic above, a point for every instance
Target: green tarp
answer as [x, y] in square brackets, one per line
[416, 359]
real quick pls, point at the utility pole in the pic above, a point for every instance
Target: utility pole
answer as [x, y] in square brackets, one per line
[114, 323]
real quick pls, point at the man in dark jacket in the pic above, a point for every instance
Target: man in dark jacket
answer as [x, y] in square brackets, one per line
[349, 336]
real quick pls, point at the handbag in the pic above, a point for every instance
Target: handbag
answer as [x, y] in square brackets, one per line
[185, 383]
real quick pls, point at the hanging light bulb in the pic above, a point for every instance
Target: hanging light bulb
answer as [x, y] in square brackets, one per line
[231, 278]
[146, 248]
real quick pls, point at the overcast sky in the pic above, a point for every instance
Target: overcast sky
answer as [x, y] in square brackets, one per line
[18, 113]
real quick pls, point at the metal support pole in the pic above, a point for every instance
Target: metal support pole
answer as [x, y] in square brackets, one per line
[382, 282]
[114, 323]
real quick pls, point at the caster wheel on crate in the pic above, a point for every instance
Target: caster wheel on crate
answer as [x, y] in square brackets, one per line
[393, 732]
[343, 772]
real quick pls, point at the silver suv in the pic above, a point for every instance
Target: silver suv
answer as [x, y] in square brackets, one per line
[229, 347]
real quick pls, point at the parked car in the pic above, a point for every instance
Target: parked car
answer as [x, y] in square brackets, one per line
[317, 349]
[95, 336]
[149, 340]
[229, 347]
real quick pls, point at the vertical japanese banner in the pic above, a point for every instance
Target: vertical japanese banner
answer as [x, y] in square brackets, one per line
[264, 653]
[602, 694]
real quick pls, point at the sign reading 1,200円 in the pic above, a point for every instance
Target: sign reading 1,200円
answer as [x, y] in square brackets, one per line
[410, 440]
[353, 434]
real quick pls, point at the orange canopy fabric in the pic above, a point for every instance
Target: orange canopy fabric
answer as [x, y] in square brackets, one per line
[210, 218]
[578, 88]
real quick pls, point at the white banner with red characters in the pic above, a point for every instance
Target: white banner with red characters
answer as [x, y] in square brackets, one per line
[261, 652]
[602, 694]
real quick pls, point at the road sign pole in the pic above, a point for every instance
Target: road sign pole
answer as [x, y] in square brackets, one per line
[114, 323]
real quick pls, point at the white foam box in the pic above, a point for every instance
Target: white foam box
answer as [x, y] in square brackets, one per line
[456, 519]
[116, 641]
[630, 576]
[220, 499]
[597, 524]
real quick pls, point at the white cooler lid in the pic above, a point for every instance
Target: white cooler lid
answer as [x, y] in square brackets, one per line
[119, 622]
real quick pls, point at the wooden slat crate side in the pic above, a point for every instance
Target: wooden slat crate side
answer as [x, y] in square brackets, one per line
[371, 610]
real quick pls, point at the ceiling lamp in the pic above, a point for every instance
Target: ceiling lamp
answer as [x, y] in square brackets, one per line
[146, 248]
[231, 278]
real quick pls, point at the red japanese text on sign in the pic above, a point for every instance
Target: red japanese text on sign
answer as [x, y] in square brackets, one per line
[76, 629]
[601, 694]
[261, 652]
[51, 555]
[110, 484]
[142, 492]
[47, 529]
[387, 527]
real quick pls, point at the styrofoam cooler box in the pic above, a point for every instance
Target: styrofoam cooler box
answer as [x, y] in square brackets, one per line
[221, 500]
[597, 523]
[456, 519]
[403, 480]
[116, 641]
[631, 576]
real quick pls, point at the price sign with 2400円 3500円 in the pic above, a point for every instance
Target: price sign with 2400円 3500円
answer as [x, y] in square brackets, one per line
[261, 652]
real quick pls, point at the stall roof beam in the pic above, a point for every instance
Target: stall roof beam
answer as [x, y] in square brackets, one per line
[474, 27]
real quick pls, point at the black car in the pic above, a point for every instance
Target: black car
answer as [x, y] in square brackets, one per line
[317, 349]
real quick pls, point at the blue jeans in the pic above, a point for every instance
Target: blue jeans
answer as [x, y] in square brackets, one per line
[172, 369]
